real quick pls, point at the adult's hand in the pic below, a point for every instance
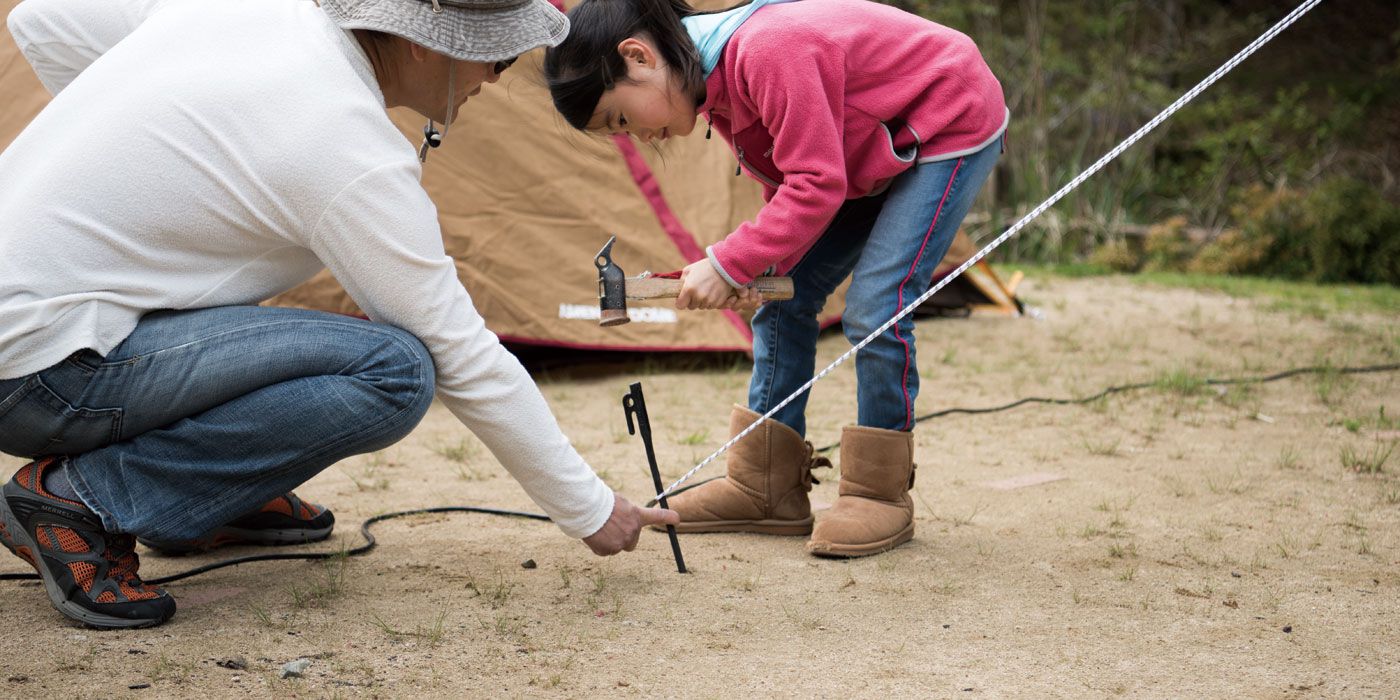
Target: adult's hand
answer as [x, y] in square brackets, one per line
[624, 527]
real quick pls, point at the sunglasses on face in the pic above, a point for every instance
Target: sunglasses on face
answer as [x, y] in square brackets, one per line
[500, 67]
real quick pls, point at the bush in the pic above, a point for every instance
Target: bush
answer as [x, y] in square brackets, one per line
[1230, 253]
[1117, 256]
[1355, 233]
[1343, 231]
[1166, 247]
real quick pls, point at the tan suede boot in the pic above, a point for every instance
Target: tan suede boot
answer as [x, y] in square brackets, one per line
[765, 489]
[873, 512]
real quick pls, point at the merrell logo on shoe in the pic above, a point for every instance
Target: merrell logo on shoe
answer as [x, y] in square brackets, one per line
[66, 516]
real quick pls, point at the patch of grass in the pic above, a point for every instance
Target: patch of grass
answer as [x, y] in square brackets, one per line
[1377, 421]
[1127, 575]
[167, 669]
[946, 587]
[1367, 461]
[1177, 486]
[265, 618]
[327, 584]
[1331, 385]
[1107, 506]
[1236, 485]
[1123, 550]
[470, 472]
[695, 438]
[600, 580]
[1289, 459]
[959, 521]
[460, 451]
[432, 634]
[508, 627]
[370, 480]
[496, 593]
[1102, 448]
[1181, 383]
[1283, 295]
[1390, 496]
[1240, 395]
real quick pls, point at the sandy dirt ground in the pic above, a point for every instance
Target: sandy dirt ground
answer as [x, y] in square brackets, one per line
[1185, 542]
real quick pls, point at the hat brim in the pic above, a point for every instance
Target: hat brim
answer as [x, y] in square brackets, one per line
[463, 33]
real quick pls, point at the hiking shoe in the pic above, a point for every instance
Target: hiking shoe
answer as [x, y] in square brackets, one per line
[281, 521]
[89, 574]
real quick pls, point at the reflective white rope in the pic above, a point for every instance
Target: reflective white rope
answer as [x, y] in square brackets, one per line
[1117, 150]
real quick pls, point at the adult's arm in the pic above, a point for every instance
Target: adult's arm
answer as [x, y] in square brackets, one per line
[61, 38]
[381, 239]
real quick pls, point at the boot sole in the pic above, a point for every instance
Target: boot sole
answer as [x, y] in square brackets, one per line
[847, 551]
[760, 527]
[60, 602]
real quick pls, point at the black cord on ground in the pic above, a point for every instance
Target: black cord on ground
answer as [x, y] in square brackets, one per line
[370, 542]
[1145, 385]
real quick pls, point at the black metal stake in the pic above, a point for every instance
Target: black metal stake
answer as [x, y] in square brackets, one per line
[633, 403]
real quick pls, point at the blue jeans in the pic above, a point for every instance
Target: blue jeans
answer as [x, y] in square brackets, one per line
[201, 416]
[890, 244]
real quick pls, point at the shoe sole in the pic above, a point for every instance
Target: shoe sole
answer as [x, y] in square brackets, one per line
[848, 551]
[60, 602]
[233, 535]
[759, 527]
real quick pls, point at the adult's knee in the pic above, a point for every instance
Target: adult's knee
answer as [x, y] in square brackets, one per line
[403, 370]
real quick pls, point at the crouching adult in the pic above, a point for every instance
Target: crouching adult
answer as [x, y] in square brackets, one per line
[198, 158]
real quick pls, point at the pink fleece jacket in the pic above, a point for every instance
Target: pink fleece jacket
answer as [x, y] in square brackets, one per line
[824, 100]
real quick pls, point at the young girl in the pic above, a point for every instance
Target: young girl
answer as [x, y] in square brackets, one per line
[871, 130]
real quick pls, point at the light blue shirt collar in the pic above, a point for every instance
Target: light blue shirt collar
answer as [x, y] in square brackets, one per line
[711, 32]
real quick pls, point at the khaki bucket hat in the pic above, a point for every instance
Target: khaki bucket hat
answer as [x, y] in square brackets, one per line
[467, 30]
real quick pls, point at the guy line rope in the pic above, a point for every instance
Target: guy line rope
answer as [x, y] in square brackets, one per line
[1016, 228]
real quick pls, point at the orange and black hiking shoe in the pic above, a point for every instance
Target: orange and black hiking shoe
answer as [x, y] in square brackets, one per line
[89, 574]
[282, 520]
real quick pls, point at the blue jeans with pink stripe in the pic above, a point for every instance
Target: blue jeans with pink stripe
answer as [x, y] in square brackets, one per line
[890, 244]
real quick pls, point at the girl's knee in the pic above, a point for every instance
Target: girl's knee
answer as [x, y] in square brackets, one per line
[863, 312]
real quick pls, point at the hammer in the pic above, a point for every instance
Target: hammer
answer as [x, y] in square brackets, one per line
[614, 289]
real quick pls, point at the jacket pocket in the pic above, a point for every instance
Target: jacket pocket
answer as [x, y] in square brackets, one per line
[755, 172]
[903, 140]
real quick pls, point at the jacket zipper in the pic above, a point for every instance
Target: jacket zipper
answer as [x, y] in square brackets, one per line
[744, 164]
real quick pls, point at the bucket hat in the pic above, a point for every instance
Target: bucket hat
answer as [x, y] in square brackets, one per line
[467, 30]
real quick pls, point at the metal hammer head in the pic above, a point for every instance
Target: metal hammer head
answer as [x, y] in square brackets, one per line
[612, 288]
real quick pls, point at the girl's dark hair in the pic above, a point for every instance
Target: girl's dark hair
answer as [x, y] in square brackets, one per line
[587, 63]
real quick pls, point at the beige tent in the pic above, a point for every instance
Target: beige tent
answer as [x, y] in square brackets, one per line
[525, 203]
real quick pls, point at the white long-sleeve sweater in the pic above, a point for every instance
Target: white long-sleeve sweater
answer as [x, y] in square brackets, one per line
[220, 153]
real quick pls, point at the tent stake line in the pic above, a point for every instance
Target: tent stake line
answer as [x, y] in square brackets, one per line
[1015, 228]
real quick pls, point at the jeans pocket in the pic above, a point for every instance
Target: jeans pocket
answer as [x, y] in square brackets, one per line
[35, 421]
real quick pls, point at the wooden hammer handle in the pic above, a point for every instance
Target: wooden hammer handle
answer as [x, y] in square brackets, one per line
[639, 288]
